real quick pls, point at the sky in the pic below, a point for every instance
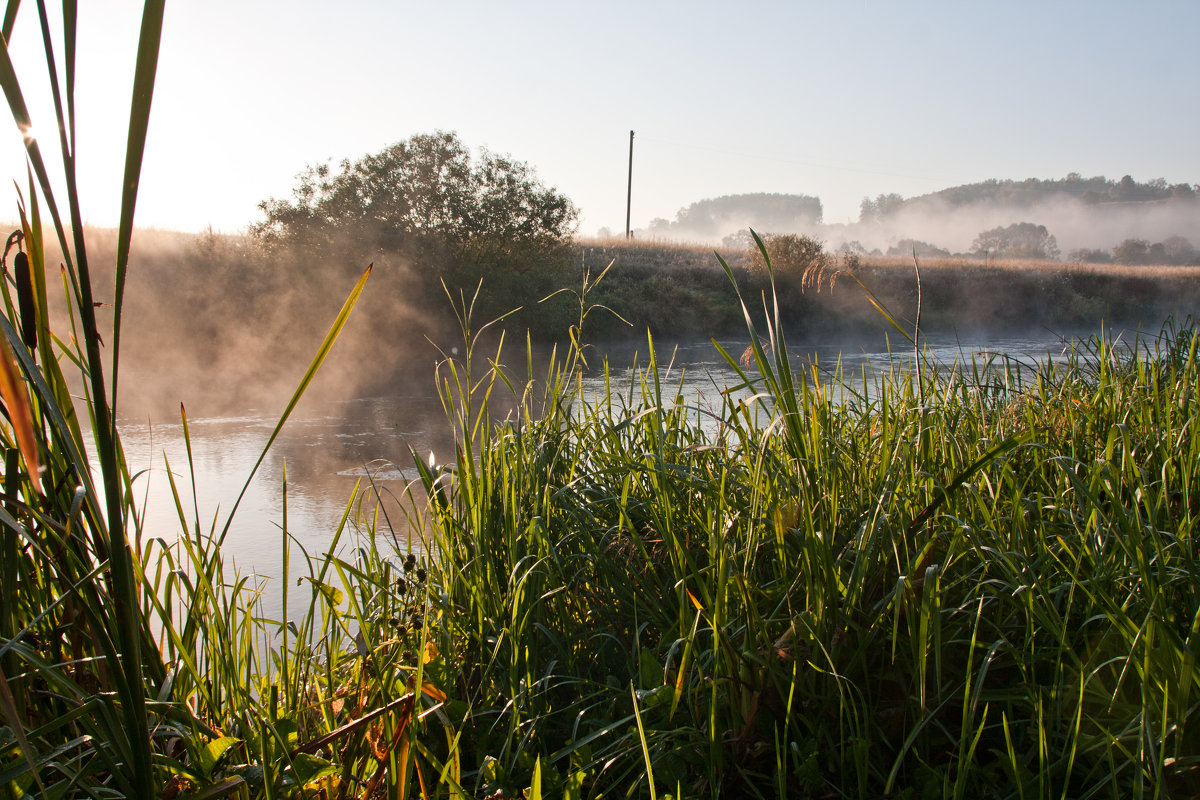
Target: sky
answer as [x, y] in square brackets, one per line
[840, 100]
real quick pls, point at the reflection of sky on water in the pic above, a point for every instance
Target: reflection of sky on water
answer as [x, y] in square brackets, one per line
[327, 451]
[697, 376]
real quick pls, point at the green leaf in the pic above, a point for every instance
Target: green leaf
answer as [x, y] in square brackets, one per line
[332, 594]
[212, 753]
[307, 768]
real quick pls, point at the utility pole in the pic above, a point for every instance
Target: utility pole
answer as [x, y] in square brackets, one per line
[629, 194]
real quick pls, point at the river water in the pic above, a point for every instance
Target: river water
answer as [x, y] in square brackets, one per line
[327, 450]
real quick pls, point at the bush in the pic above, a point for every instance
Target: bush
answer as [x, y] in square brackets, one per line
[791, 254]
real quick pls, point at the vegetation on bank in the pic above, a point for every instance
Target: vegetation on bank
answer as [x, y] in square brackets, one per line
[199, 298]
[677, 291]
[978, 582]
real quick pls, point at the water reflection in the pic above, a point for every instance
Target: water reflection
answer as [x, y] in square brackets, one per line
[327, 450]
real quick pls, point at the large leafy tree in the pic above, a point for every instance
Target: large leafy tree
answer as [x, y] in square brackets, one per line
[1019, 240]
[429, 213]
[426, 193]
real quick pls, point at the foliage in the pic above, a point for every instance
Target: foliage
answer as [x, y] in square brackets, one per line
[1173, 250]
[882, 207]
[907, 247]
[1033, 191]
[1090, 256]
[1132, 251]
[819, 591]
[426, 190]
[1179, 250]
[789, 254]
[1019, 240]
[426, 200]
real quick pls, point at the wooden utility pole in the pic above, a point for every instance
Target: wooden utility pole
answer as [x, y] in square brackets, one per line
[629, 194]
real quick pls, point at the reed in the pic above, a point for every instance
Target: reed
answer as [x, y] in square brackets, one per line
[825, 590]
[137, 663]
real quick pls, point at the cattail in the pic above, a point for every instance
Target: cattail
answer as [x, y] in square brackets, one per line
[25, 301]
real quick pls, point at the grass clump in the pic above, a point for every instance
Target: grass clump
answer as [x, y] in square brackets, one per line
[137, 663]
[825, 592]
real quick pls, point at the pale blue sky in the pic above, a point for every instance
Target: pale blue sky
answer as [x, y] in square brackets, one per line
[838, 100]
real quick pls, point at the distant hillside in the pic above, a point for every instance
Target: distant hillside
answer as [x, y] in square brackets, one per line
[1031, 193]
[1096, 215]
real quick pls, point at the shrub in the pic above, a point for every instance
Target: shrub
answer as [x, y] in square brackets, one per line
[789, 253]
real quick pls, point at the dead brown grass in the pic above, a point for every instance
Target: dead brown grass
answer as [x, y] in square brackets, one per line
[1033, 265]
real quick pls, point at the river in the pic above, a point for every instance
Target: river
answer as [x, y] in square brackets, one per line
[328, 449]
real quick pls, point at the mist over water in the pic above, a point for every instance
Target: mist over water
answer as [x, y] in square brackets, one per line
[1074, 223]
[333, 446]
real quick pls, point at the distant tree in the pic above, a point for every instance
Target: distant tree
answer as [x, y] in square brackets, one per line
[853, 248]
[1126, 189]
[719, 216]
[1033, 191]
[425, 192]
[906, 247]
[882, 207]
[1179, 250]
[1183, 191]
[1132, 251]
[1088, 256]
[1019, 240]
[742, 240]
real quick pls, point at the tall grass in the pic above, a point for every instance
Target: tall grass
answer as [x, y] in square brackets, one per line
[826, 591]
[138, 663]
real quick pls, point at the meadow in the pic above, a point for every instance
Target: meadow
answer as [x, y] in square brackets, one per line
[963, 582]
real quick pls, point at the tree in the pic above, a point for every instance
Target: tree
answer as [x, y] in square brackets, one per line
[426, 193]
[426, 204]
[1091, 256]
[1132, 251]
[1019, 240]
[716, 217]
[910, 247]
[882, 207]
[1179, 250]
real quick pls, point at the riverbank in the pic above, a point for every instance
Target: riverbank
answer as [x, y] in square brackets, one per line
[235, 327]
[680, 290]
